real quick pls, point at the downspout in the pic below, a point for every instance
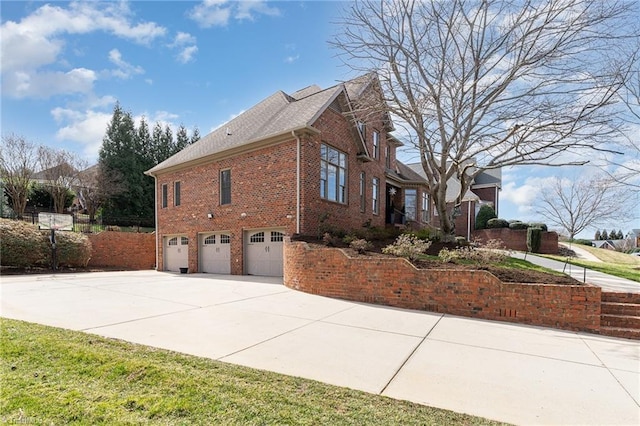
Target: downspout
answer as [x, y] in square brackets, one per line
[469, 220]
[293, 132]
[155, 213]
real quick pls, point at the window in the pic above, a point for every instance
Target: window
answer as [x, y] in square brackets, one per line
[333, 174]
[276, 236]
[165, 195]
[184, 241]
[173, 241]
[176, 193]
[225, 239]
[387, 156]
[363, 129]
[211, 239]
[410, 203]
[363, 190]
[225, 187]
[257, 238]
[425, 207]
[376, 145]
[374, 195]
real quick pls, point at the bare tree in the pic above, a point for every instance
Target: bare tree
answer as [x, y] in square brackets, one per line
[59, 173]
[479, 85]
[18, 160]
[578, 204]
[94, 185]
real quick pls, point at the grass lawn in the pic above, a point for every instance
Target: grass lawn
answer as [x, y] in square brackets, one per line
[55, 376]
[614, 263]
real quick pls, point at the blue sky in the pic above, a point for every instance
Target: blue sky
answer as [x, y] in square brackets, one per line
[65, 64]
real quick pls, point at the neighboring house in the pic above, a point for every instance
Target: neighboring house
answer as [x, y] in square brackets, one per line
[295, 163]
[484, 190]
[634, 236]
[604, 244]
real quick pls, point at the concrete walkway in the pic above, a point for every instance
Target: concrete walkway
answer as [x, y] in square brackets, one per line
[606, 281]
[517, 374]
[580, 252]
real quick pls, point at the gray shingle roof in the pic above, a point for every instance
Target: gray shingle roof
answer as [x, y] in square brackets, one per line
[276, 115]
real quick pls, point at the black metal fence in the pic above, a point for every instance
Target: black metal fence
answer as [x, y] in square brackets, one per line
[82, 223]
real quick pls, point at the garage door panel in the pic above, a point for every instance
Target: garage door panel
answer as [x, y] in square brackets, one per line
[176, 253]
[263, 253]
[215, 253]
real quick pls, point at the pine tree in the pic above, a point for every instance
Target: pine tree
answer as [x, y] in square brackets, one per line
[182, 138]
[613, 234]
[598, 236]
[604, 234]
[195, 135]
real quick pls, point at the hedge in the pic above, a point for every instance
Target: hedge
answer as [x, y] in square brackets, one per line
[24, 245]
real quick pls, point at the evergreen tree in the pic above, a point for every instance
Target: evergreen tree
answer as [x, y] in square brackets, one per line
[598, 236]
[485, 213]
[613, 234]
[604, 234]
[620, 235]
[122, 157]
[182, 138]
[195, 136]
[167, 140]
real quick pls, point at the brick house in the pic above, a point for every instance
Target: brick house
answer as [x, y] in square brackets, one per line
[291, 164]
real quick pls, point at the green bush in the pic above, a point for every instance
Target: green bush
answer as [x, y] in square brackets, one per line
[24, 245]
[497, 223]
[516, 224]
[582, 242]
[534, 239]
[485, 213]
[542, 226]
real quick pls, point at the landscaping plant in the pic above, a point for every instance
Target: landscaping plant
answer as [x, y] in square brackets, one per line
[408, 246]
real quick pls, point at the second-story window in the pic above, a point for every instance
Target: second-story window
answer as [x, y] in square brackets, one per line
[375, 192]
[225, 186]
[333, 174]
[363, 190]
[387, 156]
[376, 145]
[176, 193]
[165, 195]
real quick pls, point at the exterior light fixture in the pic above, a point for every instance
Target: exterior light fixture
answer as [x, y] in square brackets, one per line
[210, 215]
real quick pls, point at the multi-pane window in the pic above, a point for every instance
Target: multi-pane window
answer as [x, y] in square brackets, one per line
[184, 241]
[333, 174]
[425, 207]
[165, 195]
[225, 186]
[363, 190]
[225, 239]
[257, 238]
[276, 236]
[176, 193]
[410, 203]
[363, 129]
[376, 145]
[387, 156]
[375, 192]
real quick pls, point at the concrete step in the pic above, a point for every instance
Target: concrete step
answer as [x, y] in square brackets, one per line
[627, 333]
[615, 308]
[616, 297]
[622, 321]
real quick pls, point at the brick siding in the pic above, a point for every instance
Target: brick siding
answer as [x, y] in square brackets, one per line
[127, 250]
[477, 294]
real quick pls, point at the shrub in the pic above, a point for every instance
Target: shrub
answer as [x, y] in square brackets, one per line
[582, 242]
[425, 234]
[330, 240]
[407, 246]
[485, 213]
[516, 224]
[542, 226]
[23, 245]
[490, 253]
[534, 239]
[497, 223]
[361, 245]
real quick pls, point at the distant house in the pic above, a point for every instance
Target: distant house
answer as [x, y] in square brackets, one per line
[298, 163]
[604, 244]
[634, 236]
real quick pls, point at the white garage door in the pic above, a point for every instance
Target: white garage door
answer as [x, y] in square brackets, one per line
[263, 253]
[176, 253]
[215, 253]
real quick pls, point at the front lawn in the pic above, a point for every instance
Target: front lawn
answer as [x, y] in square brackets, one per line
[54, 376]
[613, 263]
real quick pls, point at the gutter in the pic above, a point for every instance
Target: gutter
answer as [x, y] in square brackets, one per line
[155, 213]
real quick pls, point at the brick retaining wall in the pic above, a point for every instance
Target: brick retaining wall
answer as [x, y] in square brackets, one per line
[516, 239]
[127, 250]
[477, 294]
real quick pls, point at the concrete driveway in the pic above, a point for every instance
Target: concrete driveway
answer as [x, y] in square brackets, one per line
[513, 373]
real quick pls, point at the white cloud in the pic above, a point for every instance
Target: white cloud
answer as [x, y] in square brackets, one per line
[20, 84]
[186, 43]
[291, 59]
[217, 13]
[85, 127]
[125, 70]
[28, 46]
